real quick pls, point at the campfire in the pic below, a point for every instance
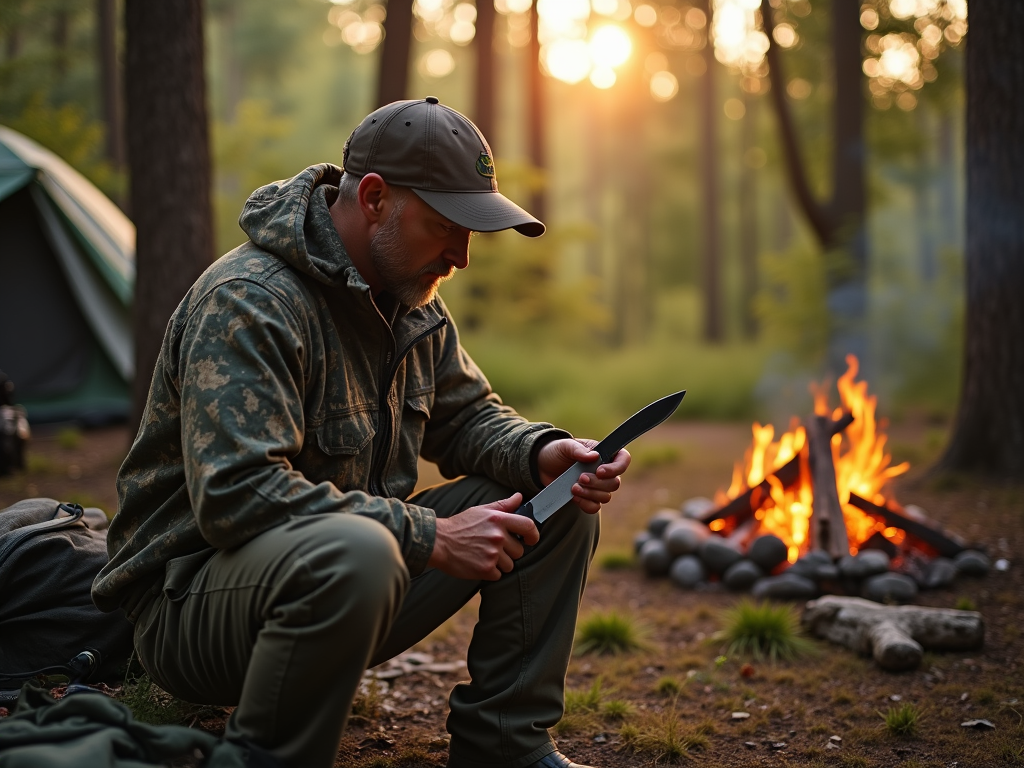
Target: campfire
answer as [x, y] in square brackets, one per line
[811, 511]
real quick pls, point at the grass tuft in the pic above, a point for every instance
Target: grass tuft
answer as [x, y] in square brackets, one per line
[617, 709]
[151, 704]
[765, 630]
[661, 736]
[668, 686]
[69, 438]
[902, 720]
[607, 633]
[617, 561]
[585, 700]
[964, 603]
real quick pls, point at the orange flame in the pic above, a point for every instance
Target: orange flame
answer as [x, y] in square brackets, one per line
[862, 466]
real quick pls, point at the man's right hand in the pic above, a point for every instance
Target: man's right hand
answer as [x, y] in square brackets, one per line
[481, 542]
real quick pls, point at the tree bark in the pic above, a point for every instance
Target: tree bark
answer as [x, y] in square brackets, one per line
[714, 330]
[748, 220]
[535, 112]
[988, 434]
[483, 108]
[393, 82]
[169, 167]
[110, 81]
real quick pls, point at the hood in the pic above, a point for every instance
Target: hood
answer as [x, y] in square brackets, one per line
[291, 220]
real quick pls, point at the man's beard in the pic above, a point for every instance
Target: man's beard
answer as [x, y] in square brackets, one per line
[391, 258]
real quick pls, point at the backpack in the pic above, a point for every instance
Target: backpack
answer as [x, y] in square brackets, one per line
[49, 555]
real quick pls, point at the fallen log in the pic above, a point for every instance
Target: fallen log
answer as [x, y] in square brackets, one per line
[943, 543]
[747, 503]
[896, 636]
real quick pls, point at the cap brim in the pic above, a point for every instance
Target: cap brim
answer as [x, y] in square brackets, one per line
[482, 211]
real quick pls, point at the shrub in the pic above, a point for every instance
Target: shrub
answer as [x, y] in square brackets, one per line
[902, 720]
[765, 630]
[607, 633]
[617, 561]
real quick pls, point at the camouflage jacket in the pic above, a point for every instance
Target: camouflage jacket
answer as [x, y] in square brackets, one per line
[281, 389]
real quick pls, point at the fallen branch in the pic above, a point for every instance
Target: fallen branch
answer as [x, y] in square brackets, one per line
[896, 636]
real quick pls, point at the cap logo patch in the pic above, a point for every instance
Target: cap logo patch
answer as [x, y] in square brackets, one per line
[485, 166]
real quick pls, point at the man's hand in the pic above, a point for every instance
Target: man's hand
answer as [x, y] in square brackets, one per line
[592, 489]
[481, 542]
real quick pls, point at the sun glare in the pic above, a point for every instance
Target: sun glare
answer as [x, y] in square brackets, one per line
[610, 46]
[567, 60]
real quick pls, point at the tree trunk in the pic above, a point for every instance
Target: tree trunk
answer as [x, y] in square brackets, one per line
[988, 434]
[535, 112]
[748, 219]
[393, 83]
[713, 326]
[483, 108]
[169, 167]
[110, 81]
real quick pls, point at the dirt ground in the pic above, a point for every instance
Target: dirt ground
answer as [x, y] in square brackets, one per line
[678, 690]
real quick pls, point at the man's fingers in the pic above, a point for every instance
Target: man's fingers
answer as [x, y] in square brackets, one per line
[524, 527]
[615, 467]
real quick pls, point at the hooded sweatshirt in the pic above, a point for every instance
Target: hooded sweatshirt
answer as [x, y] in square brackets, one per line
[282, 390]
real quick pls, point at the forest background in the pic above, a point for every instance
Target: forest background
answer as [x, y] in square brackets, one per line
[661, 163]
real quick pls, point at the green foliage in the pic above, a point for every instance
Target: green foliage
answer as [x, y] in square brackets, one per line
[585, 700]
[617, 561]
[368, 700]
[69, 438]
[964, 603]
[902, 720]
[765, 630]
[607, 633]
[38, 464]
[151, 704]
[650, 455]
[661, 736]
[617, 709]
[668, 686]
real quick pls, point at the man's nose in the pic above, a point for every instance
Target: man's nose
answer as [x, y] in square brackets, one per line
[457, 253]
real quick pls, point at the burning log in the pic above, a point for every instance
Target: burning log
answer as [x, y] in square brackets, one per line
[747, 503]
[944, 544]
[828, 527]
[896, 636]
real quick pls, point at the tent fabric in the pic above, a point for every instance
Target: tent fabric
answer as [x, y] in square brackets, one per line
[68, 267]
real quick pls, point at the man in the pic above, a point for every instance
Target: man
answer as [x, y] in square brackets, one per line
[266, 546]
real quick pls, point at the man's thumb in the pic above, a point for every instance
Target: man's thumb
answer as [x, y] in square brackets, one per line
[511, 504]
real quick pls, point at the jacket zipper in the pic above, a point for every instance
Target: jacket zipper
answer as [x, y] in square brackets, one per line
[384, 426]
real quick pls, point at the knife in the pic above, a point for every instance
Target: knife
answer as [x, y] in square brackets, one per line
[559, 492]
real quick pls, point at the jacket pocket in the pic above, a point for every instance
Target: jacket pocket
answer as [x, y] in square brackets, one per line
[181, 572]
[347, 435]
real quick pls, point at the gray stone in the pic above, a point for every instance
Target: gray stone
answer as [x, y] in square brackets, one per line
[889, 588]
[742, 575]
[684, 536]
[971, 562]
[659, 522]
[655, 558]
[718, 554]
[687, 571]
[815, 565]
[941, 573]
[785, 586]
[864, 564]
[827, 572]
[767, 551]
[641, 538]
[697, 507]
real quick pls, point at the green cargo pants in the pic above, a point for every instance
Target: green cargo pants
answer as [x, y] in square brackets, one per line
[284, 626]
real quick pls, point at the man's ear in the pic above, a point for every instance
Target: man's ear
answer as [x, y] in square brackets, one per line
[373, 192]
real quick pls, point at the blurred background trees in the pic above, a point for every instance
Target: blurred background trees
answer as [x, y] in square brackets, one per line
[737, 191]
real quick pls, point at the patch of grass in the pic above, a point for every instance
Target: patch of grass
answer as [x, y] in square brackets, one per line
[151, 704]
[607, 633]
[368, 700]
[902, 720]
[964, 603]
[662, 737]
[819, 728]
[985, 696]
[69, 438]
[853, 761]
[668, 686]
[617, 709]
[765, 630]
[617, 561]
[38, 464]
[583, 700]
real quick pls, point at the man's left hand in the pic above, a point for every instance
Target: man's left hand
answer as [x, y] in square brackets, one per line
[593, 488]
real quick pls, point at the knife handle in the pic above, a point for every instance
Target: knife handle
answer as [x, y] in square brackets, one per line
[526, 510]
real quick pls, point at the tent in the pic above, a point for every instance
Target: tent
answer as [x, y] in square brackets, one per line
[67, 272]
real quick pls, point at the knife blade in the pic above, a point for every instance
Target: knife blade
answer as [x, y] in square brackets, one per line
[558, 493]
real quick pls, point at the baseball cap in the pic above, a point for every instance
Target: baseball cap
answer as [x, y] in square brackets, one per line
[440, 155]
